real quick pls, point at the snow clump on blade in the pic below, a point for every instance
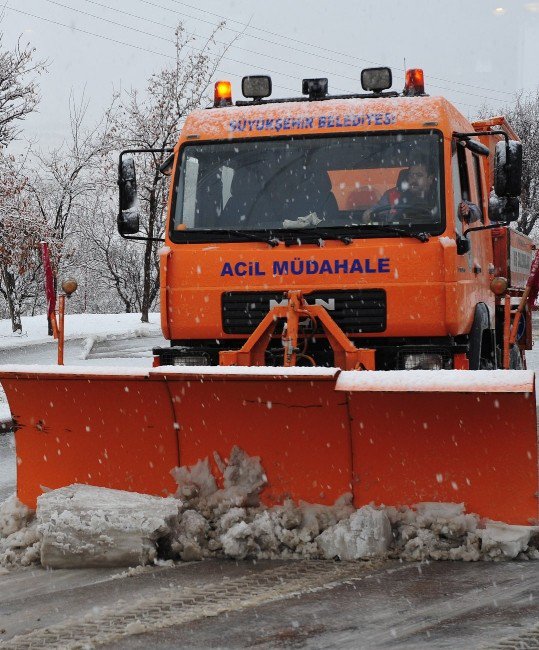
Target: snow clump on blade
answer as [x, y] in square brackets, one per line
[231, 521]
[19, 539]
[84, 525]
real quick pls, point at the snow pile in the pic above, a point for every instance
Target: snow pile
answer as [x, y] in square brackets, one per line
[231, 521]
[366, 533]
[83, 525]
[443, 531]
[499, 540]
[19, 539]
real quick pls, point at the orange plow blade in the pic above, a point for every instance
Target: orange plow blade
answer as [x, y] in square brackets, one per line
[393, 438]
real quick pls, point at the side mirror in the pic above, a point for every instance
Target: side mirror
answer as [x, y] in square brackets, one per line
[128, 216]
[503, 209]
[508, 168]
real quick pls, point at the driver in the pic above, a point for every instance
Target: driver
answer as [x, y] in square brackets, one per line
[415, 187]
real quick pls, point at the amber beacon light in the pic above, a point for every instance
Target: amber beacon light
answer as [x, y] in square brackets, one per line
[223, 94]
[415, 82]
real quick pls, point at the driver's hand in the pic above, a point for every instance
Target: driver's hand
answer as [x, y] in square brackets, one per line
[464, 209]
[365, 217]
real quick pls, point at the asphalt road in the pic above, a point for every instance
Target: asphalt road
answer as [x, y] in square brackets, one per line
[223, 604]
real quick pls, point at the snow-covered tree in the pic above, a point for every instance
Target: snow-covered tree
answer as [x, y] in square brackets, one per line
[523, 116]
[22, 228]
[153, 120]
[19, 227]
[18, 89]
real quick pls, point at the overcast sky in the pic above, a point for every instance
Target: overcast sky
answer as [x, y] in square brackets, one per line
[474, 52]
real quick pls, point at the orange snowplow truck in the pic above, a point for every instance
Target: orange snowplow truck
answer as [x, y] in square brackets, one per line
[333, 271]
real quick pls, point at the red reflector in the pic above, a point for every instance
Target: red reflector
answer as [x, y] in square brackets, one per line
[223, 94]
[415, 82]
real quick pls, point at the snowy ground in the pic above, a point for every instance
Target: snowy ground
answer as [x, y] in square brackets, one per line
[91, 339]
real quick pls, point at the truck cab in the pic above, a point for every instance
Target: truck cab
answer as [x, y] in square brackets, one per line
[375, 206]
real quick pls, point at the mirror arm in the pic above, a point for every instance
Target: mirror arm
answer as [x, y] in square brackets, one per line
[136, 238]
[149, 150]
[478, 147]
[465, 136]
[498, 224]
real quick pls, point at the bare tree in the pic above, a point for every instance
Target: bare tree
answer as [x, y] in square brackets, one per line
[153, 122]
[18, 89]
[524, 118]
[18, 227]
[65, 180]
[112, 265]
[66, 177]
[21, 230]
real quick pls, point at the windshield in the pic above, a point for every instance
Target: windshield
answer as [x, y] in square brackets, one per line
[287, 185]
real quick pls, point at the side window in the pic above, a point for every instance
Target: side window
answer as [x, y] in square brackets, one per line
[457, 185]
[478, 199]
[463, 190]
[186, 198]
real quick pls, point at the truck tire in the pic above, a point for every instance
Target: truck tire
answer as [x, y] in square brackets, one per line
[481, 346]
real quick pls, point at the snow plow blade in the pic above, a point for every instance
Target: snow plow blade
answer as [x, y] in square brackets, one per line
[393, 438]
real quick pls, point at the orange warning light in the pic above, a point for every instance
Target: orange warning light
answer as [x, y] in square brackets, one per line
[415, 82]
[223, 94]
[498, 285]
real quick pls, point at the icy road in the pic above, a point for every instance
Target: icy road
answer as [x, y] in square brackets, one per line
[267, 604]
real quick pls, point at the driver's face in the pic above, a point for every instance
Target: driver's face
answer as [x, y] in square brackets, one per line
[419, 179]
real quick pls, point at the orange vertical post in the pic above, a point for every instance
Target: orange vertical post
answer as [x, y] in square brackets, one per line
[61, 313]
[506, 330]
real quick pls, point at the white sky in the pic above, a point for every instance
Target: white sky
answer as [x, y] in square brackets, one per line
[473, 51]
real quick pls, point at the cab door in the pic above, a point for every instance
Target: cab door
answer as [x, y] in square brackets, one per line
[473, 267]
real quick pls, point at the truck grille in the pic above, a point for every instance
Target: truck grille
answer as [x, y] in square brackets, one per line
[354, 311]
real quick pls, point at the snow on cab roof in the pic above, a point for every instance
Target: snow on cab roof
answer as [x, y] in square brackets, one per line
[325, 116]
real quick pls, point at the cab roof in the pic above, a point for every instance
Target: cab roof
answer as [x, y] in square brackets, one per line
[324, 117]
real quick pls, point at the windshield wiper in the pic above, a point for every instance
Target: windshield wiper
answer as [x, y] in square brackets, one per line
[422, 236]
[319, 233]
[347, 239]
[272, 241]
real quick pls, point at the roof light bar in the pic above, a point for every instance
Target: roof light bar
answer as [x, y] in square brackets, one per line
[223, 94]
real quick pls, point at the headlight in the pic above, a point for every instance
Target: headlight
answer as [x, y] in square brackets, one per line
[422, 361]
[191, 360]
